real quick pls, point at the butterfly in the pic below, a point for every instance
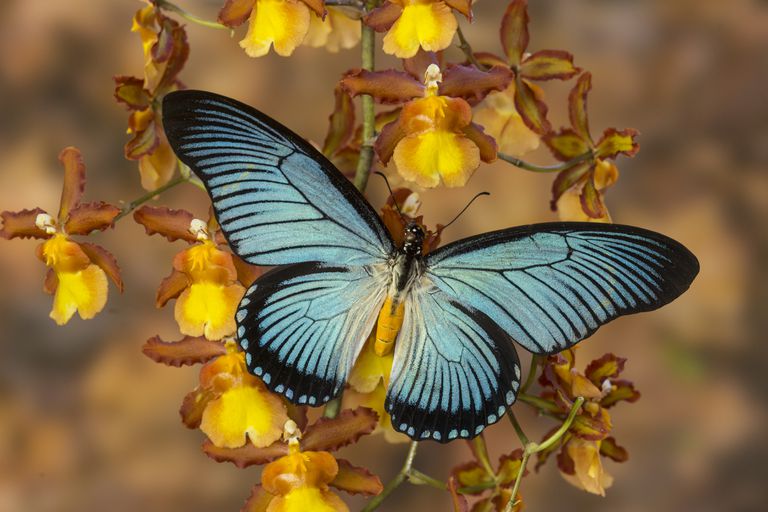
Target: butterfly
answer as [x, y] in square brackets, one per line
[451, 316]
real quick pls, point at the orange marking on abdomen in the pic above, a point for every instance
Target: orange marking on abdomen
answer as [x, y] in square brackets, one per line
[387, 327]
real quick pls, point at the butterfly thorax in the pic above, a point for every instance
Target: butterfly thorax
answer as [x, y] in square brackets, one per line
[405, 268]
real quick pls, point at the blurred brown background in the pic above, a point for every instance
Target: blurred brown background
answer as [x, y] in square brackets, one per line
[87, 423]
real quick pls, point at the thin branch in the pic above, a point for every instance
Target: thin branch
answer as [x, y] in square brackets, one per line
[539, 403]
[481, 452]
[531, 448]
[467, 49]
[365, 161]
[416, 477]
[531, 373]
[395, 482]
[149, 195]
[518, 429]
[522, 164]
[168, 6]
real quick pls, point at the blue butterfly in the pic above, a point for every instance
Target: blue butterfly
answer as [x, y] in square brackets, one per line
[454, 313]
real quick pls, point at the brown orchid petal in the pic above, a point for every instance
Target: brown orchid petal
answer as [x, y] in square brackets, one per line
[417, 65]
[566, 144]
[185, 352]
[170, 223]
[89, 217]
[74, 181]
[485, 143]
[246, 273]
[388, 139]
[490, 60]
[194, 404]
[531, 108]
[609, 366]
[235, 12]
[298, 413]
[463, 6]
[345, 160]
[144, 141]
[577, 106]
[382, 119]
[247, 455]
[356, 480]
[394, 223]
[388, 86]
[382, 18]
[621, 390]
[549, 65]
[458, 501]
[341, 122]
[171, 287]
[318, 6]
[330, 434]
[51, 282]
[615, 142]
[130, 91]
[509, 466]
[258, 501]
[514, 31]
[592, 429]
[567, 179]
[473, 85]
[21, 224]
[177, 57]
[592, 200]
[163, 48]
[565, 463]
[613, 451]
[105, 260]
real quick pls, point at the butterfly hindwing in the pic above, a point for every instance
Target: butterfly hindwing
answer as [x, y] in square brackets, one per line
[302, 326]
[551, 285]
[278, 200]
[454, 371]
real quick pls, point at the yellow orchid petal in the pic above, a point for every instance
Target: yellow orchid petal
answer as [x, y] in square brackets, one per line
[337, 31]
[370, 369]
[282, 23]
[244, 411]
[84, 291]
[434, 156]
[208, 308]
[426, 23]
[501, 120]
[589, 473]
[157, 168]
[569, 208]
[308, 498]
[374, 399]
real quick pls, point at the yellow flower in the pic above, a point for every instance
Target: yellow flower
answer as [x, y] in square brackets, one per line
[282, 23]
[588, 467]
[77, 272]
[428, 24]
[299, 481]
[207, 306]
[435, 147]
[82, 285]
[501, 120]
[238, 407]
[337, 31]
[569, 204]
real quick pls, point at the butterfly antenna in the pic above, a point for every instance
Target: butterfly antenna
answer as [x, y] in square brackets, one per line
[466, 207]
[391, 194]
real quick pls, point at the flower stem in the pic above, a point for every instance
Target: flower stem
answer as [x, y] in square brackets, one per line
[418, 478]
[165, 4]
[467, 49]
[531, 448]
[531, 374]
[522, 164]
[539, 403]
[368, 41]
[518, 429]
[481, 453]
[149, 195]
[395, 482]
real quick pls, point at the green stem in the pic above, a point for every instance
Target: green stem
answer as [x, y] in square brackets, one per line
[474, 489]
[364, 162]
[531, 374]
[467, 49]
[168, 6]
[539, 403]
[416, 477]
[149, 195]
[332, 408]
[481, 453]
[395, 482]
[518, 429]
[522, 164]
[531, 448]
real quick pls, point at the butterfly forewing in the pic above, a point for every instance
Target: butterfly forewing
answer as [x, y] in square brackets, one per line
[551, 285]
[277, 199]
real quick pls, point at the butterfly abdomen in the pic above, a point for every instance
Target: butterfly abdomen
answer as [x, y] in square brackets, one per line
[388, 326]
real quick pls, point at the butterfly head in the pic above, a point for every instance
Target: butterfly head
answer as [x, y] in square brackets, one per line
[414, 239]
